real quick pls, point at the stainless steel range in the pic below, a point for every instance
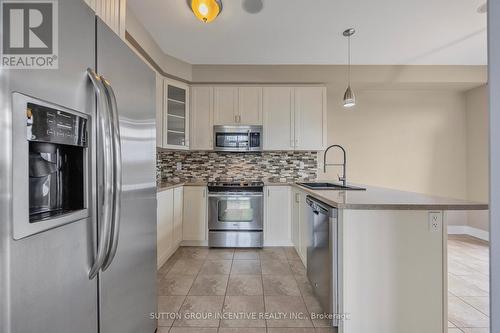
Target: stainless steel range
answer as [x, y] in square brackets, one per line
[235, 214]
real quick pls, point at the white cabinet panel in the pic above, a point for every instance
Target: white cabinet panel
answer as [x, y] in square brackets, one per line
[277, 224]
[304, 228]
[194, 226]
[178, 215]
[249, 106]
[295, 202]
[165, 225]
[225, 105]
[159, 110]
[112, 12]
[201, 118]
[278, 118]
[310, 118]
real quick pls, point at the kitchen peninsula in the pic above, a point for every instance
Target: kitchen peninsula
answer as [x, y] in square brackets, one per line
[392, 257]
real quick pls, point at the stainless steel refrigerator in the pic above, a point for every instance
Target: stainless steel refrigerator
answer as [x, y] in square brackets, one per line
[78, 187]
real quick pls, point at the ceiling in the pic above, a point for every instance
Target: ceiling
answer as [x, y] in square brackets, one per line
[402, 32]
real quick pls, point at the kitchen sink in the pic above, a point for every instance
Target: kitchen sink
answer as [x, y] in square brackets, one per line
[331, 186]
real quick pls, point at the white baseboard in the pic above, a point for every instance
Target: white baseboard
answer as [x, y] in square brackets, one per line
[194, 243]
[162, 259]
[466, 230]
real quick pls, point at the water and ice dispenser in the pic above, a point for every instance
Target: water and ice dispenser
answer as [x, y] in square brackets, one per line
[53, 187]
[57, 143]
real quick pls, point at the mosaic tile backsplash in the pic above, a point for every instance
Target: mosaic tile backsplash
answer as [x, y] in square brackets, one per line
[219, 166]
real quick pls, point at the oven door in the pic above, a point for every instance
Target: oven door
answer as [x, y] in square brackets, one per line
[235, 211]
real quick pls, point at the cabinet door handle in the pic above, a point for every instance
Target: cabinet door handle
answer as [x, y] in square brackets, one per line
[297, 197]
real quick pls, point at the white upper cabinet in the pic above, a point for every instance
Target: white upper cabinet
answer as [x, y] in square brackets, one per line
[278, 117]
[175, 115]
[310, 118]
[202, 120]
[112, 12]
[225, 105]
[238, 105]
[293, 117]
[249, 106]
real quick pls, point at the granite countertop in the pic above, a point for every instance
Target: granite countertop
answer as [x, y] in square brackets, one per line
[165, 185]
[382, 198]
[372, 198]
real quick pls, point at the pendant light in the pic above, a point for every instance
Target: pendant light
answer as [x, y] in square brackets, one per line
[349, 98]
[206, 10]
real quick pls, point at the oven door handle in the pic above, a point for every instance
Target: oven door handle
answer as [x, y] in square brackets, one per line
[235, 196]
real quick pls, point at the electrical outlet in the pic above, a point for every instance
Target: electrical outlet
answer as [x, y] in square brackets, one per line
[435, 221]
[179, 166]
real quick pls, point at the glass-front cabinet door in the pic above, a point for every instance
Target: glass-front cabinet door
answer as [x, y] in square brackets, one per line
[176, 115]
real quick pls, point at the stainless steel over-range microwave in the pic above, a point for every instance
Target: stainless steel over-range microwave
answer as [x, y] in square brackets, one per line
[237, 138]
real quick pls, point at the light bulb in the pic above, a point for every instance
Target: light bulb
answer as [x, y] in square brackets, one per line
[203, 9]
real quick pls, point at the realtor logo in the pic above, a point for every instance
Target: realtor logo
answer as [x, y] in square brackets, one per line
[29, 34]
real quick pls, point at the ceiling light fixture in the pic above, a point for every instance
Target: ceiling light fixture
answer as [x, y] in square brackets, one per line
[206, 10]
[349, 98]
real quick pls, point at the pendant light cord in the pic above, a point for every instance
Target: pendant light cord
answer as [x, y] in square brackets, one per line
[349, 60]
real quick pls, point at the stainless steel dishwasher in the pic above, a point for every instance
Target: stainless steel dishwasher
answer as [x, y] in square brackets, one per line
[322, 255]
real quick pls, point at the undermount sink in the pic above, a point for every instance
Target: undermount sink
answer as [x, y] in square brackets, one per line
[331, 186]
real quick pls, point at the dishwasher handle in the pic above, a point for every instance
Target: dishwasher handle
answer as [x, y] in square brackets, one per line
[318, 207]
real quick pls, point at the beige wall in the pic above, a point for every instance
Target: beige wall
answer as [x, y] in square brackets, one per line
[406, 136]
[173, 66]
[410, 140]
[477, 153]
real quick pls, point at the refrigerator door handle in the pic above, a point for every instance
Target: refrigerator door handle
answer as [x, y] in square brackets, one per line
[117, 166]
[105, 216]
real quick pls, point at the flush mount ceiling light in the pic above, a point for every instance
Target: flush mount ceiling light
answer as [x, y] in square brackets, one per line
[349, 98]
[206, 10]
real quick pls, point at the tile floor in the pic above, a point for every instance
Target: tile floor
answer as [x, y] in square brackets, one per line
[468, 285]
[202, 280]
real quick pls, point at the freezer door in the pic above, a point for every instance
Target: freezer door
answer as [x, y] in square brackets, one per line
[44, 284]
[128, 285]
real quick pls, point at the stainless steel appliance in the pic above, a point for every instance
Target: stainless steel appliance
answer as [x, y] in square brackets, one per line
[322, 256]
[238, 138]
[235, 214]
[78, 187]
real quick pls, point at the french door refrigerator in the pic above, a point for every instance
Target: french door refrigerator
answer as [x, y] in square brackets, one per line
[78, 187]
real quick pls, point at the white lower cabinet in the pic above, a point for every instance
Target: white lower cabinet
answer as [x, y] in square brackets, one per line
[165, 225]
[178, 214]
[277, 219]
[300, 230]
[194, 227]
[304, 228]
[169, 223]
[295, 207]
